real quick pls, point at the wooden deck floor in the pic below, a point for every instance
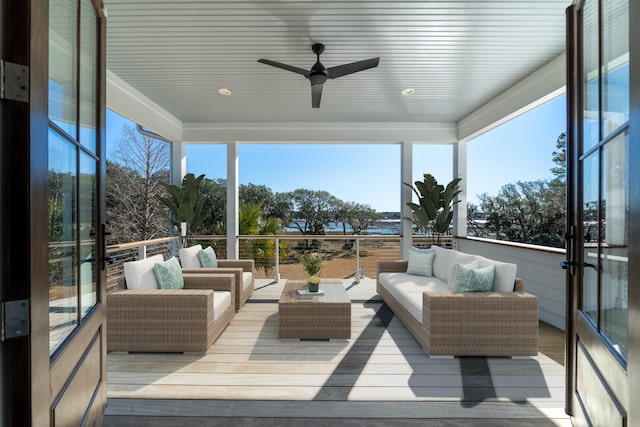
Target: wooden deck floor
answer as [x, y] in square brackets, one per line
[379, 377]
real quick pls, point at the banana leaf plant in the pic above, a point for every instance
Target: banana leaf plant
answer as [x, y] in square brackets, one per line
[185, 205]
[435, 203]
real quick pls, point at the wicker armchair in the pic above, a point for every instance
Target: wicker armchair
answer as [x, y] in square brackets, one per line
[242, 269]
[160, 320]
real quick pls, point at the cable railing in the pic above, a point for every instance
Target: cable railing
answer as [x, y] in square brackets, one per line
[118, 254]
[356, 256]
[276, 256]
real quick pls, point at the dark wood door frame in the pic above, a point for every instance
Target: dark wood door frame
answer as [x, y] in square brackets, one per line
[27, 380]
[572, 211]
[24, 226]
[633, 362]
[575, 95]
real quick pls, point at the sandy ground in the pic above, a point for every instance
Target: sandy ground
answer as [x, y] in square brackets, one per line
[339, 263]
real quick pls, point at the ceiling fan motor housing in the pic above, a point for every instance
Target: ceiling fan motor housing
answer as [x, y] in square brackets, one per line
[318, 74]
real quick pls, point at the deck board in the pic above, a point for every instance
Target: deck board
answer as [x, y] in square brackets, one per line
[380, 365]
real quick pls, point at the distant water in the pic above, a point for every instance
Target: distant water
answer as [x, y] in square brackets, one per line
[384, 226]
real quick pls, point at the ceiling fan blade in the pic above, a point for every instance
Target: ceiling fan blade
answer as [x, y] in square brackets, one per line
[354, 67]
[316, 94]
[285, 67]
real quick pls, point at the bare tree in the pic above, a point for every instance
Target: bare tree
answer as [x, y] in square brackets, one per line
[134, 211]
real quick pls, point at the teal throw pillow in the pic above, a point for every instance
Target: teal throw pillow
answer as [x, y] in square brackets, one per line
[421, 261]
[169, 274]
[469, 278]
[207, 258]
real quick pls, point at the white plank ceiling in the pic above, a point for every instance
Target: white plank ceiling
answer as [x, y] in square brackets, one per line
[457, 55]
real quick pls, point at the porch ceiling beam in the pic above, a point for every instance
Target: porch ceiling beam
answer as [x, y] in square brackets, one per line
[125, 100]
[539, 87]
[322, 132]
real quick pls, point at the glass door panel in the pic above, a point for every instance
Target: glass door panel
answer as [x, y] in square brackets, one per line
[615, 244]
[63, 272]
[87, 203]
[591, 227]
[88, 88]
[590, 77]
[615, 72]
[63, 24]
[605, 196]
[73, 166]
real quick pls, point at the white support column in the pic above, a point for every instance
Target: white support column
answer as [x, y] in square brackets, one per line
[233, 205]
[178, 162]
[178, 171]
[460, 170]
[406, 175]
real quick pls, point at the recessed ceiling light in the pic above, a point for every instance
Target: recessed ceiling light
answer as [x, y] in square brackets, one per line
[225, 91]
[408, 91]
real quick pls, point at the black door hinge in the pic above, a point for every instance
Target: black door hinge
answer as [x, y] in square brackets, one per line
[14, 81]
[15, 318]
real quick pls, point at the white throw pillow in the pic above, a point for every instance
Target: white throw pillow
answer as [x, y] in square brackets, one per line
[421, 261]
[189, 256]
[139, 274]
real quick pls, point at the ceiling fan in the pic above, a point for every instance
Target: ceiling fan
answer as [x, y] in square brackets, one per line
[319, 74]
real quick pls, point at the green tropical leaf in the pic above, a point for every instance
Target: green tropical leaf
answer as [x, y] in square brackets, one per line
[435, 201]
[185, 203]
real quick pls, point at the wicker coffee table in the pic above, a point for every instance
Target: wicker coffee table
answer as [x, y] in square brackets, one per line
[319, 317]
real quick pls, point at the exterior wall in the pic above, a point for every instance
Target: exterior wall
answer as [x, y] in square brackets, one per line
[538, 266]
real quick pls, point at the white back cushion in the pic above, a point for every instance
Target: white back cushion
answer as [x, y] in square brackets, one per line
[189, 256]
[458, 258]
[441, 262]
[505, 274]
[139, 274]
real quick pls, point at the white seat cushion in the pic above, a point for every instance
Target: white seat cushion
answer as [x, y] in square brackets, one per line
[139, 274]
[407, 289]
[221, 301]
[189, 256]
[246, 279]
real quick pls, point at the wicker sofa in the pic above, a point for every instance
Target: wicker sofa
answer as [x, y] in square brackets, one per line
[501, 322]
[164, 320]
[242, 269]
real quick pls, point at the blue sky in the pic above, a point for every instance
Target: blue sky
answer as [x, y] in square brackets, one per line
[519, 150]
